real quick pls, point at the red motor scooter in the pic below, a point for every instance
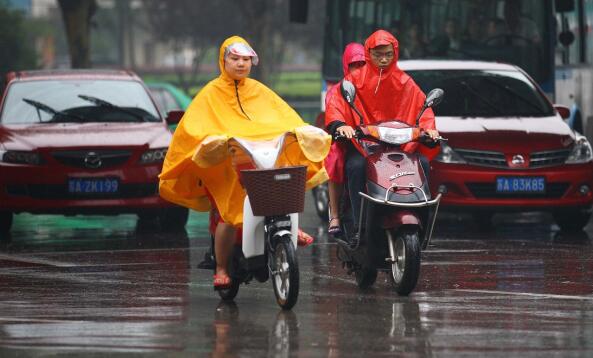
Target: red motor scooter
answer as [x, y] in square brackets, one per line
[397, 212]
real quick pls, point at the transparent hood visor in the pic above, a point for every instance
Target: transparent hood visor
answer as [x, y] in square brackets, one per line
[242, 49]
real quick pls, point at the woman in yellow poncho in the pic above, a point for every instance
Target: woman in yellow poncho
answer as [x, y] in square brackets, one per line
[231, 105]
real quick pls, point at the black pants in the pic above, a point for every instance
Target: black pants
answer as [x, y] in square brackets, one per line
[355, 168]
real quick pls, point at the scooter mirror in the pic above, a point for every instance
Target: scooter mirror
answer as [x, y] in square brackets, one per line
[348, 91]
[434, 97]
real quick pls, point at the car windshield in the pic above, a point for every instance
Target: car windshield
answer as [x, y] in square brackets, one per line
[64, 101]
[484, 93]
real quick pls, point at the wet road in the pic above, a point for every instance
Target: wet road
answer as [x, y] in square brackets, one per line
[104, 286]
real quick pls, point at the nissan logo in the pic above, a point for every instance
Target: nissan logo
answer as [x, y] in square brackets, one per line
[92, 160]
[518, 159]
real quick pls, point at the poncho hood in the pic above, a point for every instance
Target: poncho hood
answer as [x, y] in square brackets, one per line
[354, 52]
[382, 94]
[228, 108]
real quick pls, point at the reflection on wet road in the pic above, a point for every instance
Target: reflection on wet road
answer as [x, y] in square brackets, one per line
[110, 287]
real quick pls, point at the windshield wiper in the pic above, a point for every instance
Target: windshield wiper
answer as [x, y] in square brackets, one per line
[102, 103]
[512, 91]
[44, 107]
[482, 98]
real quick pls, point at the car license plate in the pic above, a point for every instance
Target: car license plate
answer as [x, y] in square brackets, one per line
[520, 185]
[92, 185]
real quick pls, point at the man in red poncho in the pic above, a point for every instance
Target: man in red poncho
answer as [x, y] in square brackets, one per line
[383, 93]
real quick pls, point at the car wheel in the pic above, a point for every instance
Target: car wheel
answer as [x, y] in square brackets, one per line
[5, 222]
[572, 220]
[174, 218]
[321, 200]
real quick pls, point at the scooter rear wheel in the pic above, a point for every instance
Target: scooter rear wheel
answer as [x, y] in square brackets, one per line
[284, 269]
[406, 268]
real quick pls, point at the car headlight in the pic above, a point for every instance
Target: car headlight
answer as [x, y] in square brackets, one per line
[581, 153]
[153, 156]
[20, 157]
[448, 155]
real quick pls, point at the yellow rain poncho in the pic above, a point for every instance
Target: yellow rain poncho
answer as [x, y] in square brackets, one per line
[216, 114]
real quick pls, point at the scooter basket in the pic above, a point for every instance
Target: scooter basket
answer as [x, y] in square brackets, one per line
[277, 191]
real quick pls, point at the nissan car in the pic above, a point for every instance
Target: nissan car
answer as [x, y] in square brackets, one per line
[508, 147]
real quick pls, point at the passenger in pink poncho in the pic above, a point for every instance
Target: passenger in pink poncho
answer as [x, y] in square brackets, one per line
[352, 59]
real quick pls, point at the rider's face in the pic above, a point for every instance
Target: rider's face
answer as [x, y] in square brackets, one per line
[237, 67]
[355, 65]
[382, 55]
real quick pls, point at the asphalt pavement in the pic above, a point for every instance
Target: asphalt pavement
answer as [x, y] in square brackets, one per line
[105, 287]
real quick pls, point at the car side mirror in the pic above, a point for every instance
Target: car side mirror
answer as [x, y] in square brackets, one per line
[173, 117]
[434, 97]
[563, 111]
[348, 91]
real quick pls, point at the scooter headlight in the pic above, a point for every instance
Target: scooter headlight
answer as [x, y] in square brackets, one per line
[448, 155]
[581, 153]
[393, 135]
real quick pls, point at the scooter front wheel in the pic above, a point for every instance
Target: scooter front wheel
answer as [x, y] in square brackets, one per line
[405, 270]
[284, 269]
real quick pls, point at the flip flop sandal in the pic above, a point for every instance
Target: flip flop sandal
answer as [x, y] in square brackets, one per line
[304, 239]
[221, 282]
[334, 229]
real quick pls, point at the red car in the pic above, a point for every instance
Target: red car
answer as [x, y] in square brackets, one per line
[508, 147]
[82, 142]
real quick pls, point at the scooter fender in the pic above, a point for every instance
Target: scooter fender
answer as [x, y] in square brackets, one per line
[396, 219]
[254, 234]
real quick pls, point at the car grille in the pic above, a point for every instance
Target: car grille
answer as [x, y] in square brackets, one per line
[60, 191]
[477, 157]
[498, 160]
[488, 191]
[92, 159]
[549, 158]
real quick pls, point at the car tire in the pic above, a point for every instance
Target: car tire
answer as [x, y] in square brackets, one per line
[5, 223]
[572, 220]
[173, 219]
[321, 200]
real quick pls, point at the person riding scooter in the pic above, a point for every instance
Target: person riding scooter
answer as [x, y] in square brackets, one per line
[231, 105]
[383, 93]
[352, 59]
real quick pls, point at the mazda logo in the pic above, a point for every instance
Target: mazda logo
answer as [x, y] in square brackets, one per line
[518, 159]
[92, 160]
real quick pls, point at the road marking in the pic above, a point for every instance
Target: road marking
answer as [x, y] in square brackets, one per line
[36, 261]
[537, 295]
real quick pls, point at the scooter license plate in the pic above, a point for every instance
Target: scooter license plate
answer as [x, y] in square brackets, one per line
[535, 185]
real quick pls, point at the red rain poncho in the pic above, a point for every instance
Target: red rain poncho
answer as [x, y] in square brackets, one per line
[334, 162]
[383, 95]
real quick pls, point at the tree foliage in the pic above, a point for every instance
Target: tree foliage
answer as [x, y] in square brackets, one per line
[17, 52]
[77, 16]
[204, 24]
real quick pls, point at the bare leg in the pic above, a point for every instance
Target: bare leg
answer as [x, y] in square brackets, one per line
[224, 242]
[335, 193]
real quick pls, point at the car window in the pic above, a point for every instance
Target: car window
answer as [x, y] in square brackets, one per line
[484, 93]
[64, 101]
[165, 101]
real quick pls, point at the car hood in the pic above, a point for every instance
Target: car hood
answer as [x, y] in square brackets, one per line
[529, 134]
[65, 135]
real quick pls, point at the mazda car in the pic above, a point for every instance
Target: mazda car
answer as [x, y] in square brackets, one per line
[508, 147]
[82, 142]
